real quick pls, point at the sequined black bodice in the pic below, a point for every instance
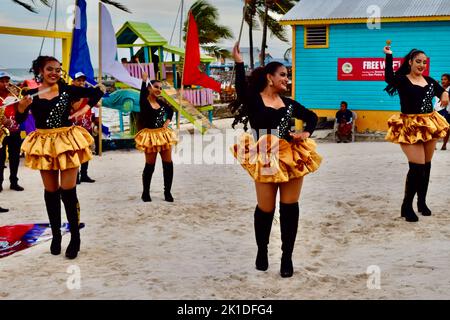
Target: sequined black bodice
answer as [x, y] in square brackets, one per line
[414, 99]
[148, 116]
[54, 113]
[265, 119]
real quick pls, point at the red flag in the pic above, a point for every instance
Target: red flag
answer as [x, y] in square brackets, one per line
[192, 73]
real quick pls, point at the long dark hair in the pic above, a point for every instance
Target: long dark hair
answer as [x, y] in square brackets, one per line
[258, 78]
[39, 65]
[257, 82]
[404, 69]
[152, 82]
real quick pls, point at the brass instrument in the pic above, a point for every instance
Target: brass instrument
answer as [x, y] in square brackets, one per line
[4, 132]
[16, 93]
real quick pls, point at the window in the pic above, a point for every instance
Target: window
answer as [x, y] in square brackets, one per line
[316, 37]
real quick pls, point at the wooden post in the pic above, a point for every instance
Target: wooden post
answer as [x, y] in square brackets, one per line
[161, 62]
[174, 72]
[181, 94]
[100, 132]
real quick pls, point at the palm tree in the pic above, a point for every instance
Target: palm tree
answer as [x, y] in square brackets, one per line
[30, 7]
[263, 10]
[209, 32]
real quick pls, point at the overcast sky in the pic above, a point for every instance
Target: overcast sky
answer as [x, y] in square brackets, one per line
[18, 52]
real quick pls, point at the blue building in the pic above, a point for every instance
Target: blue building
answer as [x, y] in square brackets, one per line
[337, 51]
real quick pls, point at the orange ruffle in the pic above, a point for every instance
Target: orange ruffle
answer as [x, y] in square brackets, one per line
[57, 149]
[274, 160]
[155, 140]
[413, 128]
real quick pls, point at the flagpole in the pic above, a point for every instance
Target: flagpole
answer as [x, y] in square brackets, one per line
[239, 39]
[54, 26]
[182, 74]
[99, 78]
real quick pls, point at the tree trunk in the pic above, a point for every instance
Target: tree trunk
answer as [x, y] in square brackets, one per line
[264, 37]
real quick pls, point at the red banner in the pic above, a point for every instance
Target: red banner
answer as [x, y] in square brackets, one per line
[367, 69]
[192, 73]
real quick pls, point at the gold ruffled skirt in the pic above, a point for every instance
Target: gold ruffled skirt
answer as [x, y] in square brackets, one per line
[413, 128]
[57, 149]
[274, 160]
[155, 140]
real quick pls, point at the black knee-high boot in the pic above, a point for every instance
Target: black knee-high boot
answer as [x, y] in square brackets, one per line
[53, 205]
[263, 225]
[84, 173]
[289, 214]
[168, 178]
[413, 179]
[70, 200]
[146, 181]
[422, 190]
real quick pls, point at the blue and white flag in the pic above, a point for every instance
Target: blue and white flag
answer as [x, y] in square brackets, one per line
[80, 59]
[109, 52]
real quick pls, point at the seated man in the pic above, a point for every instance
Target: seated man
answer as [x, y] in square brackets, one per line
[344, 118]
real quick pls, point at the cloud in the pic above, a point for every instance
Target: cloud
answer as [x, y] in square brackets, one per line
[160, 14]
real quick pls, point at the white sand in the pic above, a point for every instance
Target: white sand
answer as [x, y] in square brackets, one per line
[202, 246]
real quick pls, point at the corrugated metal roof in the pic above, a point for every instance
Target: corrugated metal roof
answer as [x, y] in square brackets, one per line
[353, 9]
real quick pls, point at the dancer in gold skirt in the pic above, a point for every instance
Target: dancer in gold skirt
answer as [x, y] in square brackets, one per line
[417, 128]
[57, 148]
[155, 136]
[275, 157]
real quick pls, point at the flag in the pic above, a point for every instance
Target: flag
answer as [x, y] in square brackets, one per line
[192, 73]
[109, 52]
[14, 238]
[80, 59]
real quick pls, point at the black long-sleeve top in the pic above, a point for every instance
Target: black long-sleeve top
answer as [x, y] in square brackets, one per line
[263, 118]
[414, 99]
[148, 116]
[54, 113]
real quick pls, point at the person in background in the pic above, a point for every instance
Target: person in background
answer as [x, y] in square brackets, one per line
[155, 136]
[344, 119]
[84, 121]
[444, 111]
[13, 141]
[417, 128]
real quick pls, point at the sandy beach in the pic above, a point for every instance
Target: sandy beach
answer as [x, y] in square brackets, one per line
[202, 246]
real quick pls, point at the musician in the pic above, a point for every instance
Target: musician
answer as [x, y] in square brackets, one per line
[13, 140]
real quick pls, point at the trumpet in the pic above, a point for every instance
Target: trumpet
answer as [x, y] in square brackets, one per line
[16, 95]
[16, 91]
[4, 131]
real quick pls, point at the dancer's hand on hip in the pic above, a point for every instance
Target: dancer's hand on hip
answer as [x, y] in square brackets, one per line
[444, 99]
[300, 136]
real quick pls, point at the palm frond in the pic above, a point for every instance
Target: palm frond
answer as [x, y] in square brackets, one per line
[206, 16]
[217, 52]
[288, 54]
[275, 28]
[25, 5]
[117, 5]
[45, 2]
